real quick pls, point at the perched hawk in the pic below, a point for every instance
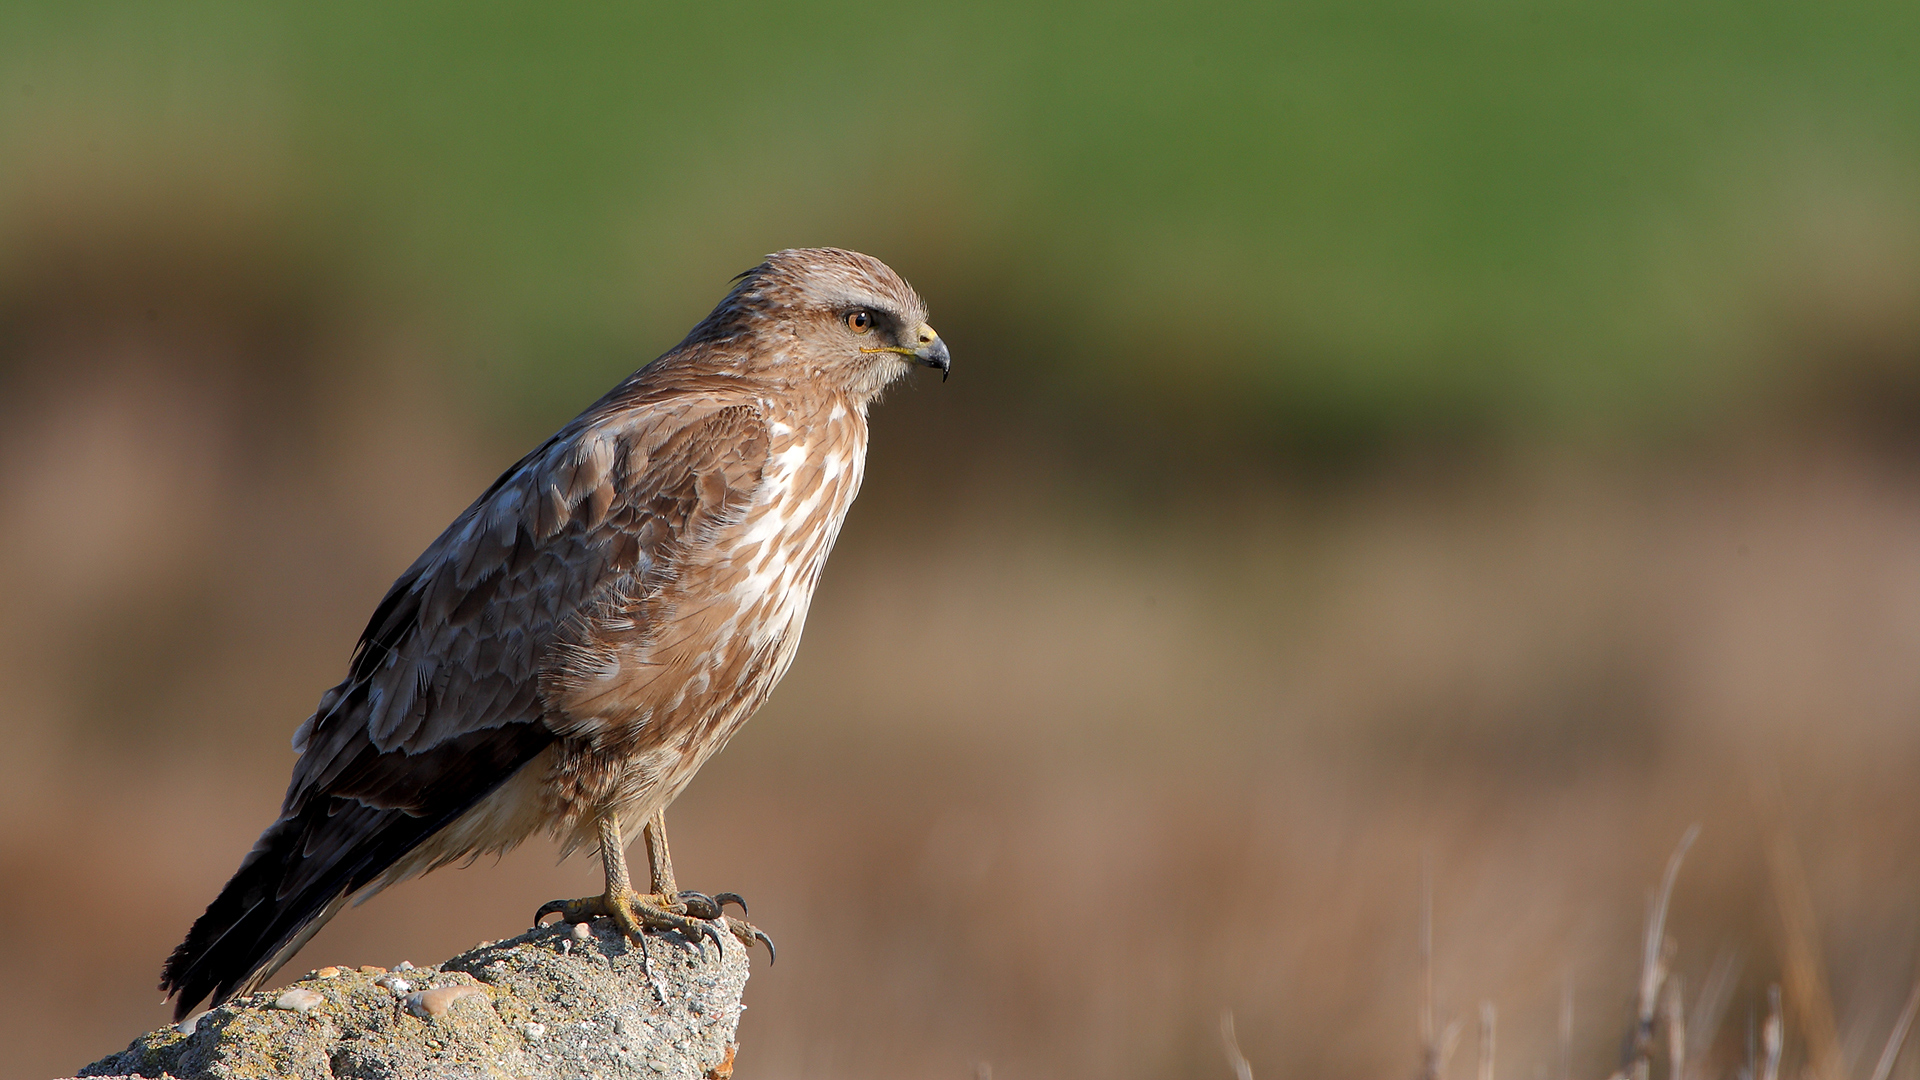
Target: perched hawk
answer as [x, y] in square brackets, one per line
[593, 628]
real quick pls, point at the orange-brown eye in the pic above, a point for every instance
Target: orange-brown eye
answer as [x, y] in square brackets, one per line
[859, 322]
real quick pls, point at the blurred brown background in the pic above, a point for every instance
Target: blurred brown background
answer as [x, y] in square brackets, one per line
[1381, 436]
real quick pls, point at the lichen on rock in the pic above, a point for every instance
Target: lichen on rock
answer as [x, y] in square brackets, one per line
[549, 1003]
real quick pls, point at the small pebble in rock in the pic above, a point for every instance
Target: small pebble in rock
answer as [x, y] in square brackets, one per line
[297, 1000]
[394, 983]
[534, 1031]
[185, 1027]
[566, 947]
[369, 969]
[327, 973]
[619, 1025]
[404, 965]
[431, 1003]
[582, 932]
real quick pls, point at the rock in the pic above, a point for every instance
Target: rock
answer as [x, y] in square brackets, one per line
[298, 1000]
[429, 1004]
[521, 1008]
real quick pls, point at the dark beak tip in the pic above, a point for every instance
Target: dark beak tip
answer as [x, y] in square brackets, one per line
[935, 355]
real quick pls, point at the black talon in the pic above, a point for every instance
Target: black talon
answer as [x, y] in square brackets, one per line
[558, 907]
[725, 898]
[709, 930]
[761, 936]
[700, 905]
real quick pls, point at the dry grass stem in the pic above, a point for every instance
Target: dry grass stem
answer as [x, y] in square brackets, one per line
[1676, 1029]
[1898, 1037]
[1772, 1036]
[1486, 1040]
[1710, 1008]
[1806, 975]
[1242, 1068]
[1653, 966]
[1449, 1042]
[1655, 961]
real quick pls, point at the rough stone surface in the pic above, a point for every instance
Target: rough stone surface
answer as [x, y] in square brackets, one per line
[545, 1004]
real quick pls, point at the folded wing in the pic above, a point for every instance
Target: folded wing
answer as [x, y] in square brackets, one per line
[443, 699]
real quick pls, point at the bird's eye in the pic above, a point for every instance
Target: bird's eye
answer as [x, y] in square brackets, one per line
[859, 322]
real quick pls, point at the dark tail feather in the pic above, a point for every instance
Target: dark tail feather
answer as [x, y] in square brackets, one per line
[330, 845]
[296, 877]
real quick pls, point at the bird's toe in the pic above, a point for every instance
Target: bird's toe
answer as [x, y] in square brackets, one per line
[572, 911]
[749, 933]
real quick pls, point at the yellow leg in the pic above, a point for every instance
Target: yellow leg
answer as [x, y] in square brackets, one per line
[659, 859]
[632, 912]
[692, 915]
[660, 868]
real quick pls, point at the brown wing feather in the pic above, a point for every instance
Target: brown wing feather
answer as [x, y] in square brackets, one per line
[443, 699]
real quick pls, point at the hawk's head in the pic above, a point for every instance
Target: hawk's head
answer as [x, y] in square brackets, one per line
[828, 316]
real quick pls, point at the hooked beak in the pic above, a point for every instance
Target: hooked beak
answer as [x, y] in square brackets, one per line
[929, 350]
[932, 351]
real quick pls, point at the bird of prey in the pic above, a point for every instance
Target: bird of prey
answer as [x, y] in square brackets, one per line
[595, 626]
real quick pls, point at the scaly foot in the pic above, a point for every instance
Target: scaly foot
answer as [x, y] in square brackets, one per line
[635, 913]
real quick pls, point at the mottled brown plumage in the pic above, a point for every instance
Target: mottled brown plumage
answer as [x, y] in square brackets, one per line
[594, 627]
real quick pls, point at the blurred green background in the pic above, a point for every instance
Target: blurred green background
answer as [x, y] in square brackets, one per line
[1359, 219]
[1479, 436]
